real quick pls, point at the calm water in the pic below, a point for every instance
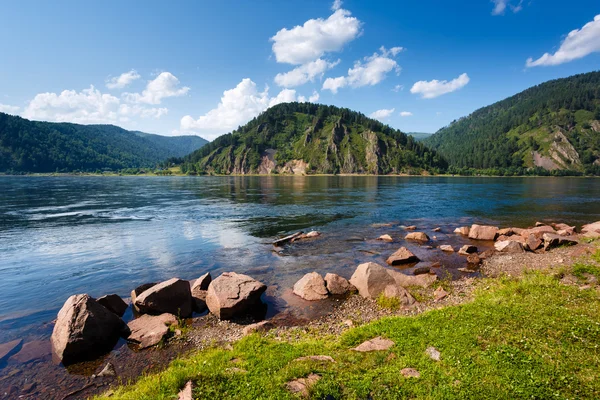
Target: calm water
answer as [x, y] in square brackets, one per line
[97, 235]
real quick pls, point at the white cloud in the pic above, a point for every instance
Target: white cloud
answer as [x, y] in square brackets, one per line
[398, 88]
[237, 106]
[163, 86]
[337, 4]
[89, 106]
[304, 73]
[435, 88]
[119, 82]
[306, 43]
[14, 110]
[501, 5]
[373, 71]
[382, 114]
[406, 114]
[578, 44]
[312, 99]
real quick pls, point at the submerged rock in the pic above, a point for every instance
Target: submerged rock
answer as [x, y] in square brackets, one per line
[85, 330]
[113, 303]
[402, 256]
[447, 248]
[418, 236]
[483, 232]
[338, 285]
[385, 238]
[10, 348]
[311, 287]
[173, 297]
[232, 294]
[463, 230]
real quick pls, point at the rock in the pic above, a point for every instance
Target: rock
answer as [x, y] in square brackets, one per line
[385, 238]
[8, 349]
[565, 230]
[402, 256]
[483, 232]
[84, 330]
[439, 294]
[302, 386]
[437, 229]
[186, 392]
[591, 228]
[291, 238]
[311, 234]
[316, 358]
[398, 292]
[539, 224]
[509, 246]
[376, 344]
[513, 238]
[552, 240]
[447, 248]
[149, 330]
[139, 290]
[232, 294]
[262, 326]
[338, 285]
[537, 231]
[467, 249]
[533, 242]
[473, 260]
[421, 270]
[505, 232]
[418, 236]
[404, 280]
[113, 303]
[199, 290]
[311, 287]
[371, 279]
[410, 373]
[32, 351]
[173, 297]
[433, 353]
[108, 370]
[463, 230]
[411, 228]
[487, 254]
[466, 270]
[349, 323]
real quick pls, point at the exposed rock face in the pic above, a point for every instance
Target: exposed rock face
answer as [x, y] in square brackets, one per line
[509, 246]
[552, 240]
[113, 303]
[149, 330]
[199, 290]
[463, 230]
[467, 249]
[311, 287]
[398, 292]
[84, 330]
[483, 232]
[233, 294]
[371, 279]
[139, 290]
[173, 296]
[447, 248]
[385, 238]
[375, 344]
[418, 236]
[337, 284]
[402, 256]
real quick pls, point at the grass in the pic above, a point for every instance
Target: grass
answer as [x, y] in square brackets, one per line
[526, 338]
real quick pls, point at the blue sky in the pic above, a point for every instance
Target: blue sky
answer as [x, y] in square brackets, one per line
[204, 67]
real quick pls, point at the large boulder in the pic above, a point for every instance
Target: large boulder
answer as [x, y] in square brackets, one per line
[533, 242]
[139, 290]
[591, 228]
[402, 256]
[113, 303]
[418, 236]
[509, 246]
[538, 231]
[483, 232]
[199, 290]
[232, 294]
[371, 280]
[311, 287]
[173, 296]
[463, 230]
[149, 330]
[552, 240]
[337, 284]
[85, 330]
[423, 280]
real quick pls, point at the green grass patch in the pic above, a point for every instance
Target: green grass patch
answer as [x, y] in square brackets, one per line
[530, 338]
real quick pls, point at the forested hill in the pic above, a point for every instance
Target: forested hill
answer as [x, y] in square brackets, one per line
[309, 138]
[552, 126]
[32, 146]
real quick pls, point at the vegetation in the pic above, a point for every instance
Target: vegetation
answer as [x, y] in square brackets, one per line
[521, 338]
[316, 138]
[31, 146]
[552, 126]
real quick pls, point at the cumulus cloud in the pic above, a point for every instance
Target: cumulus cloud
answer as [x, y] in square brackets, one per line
[89, 106]
[500, 6]
[237, 106]
[337, 4]
[304, 73]
[369, 72]
[382, 114]
[435, 88]
[578, 44]
[302, 44]
[311, 99]
[406, 114]
[398, 88]
[14, 110]
[123, 80]
[163, 86]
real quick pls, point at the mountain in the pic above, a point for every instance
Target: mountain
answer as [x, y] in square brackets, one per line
[32, 146]
[554, 126]
[310, 138]
[419, 135]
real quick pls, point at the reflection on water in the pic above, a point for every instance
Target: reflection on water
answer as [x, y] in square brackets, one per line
[98, 235]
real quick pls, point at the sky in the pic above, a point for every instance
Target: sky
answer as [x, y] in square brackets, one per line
[207, 67]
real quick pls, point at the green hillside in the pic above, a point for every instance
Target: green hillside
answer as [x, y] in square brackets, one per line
[32, 146]
[554, 126]
[308, 138]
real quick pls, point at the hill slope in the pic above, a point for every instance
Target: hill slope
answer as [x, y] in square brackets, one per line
[309, 138]
[32, 146]
[554, 126]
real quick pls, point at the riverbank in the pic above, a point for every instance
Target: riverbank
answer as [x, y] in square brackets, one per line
[532, 334]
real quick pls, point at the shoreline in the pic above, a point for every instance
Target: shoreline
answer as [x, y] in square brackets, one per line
[179, 175]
